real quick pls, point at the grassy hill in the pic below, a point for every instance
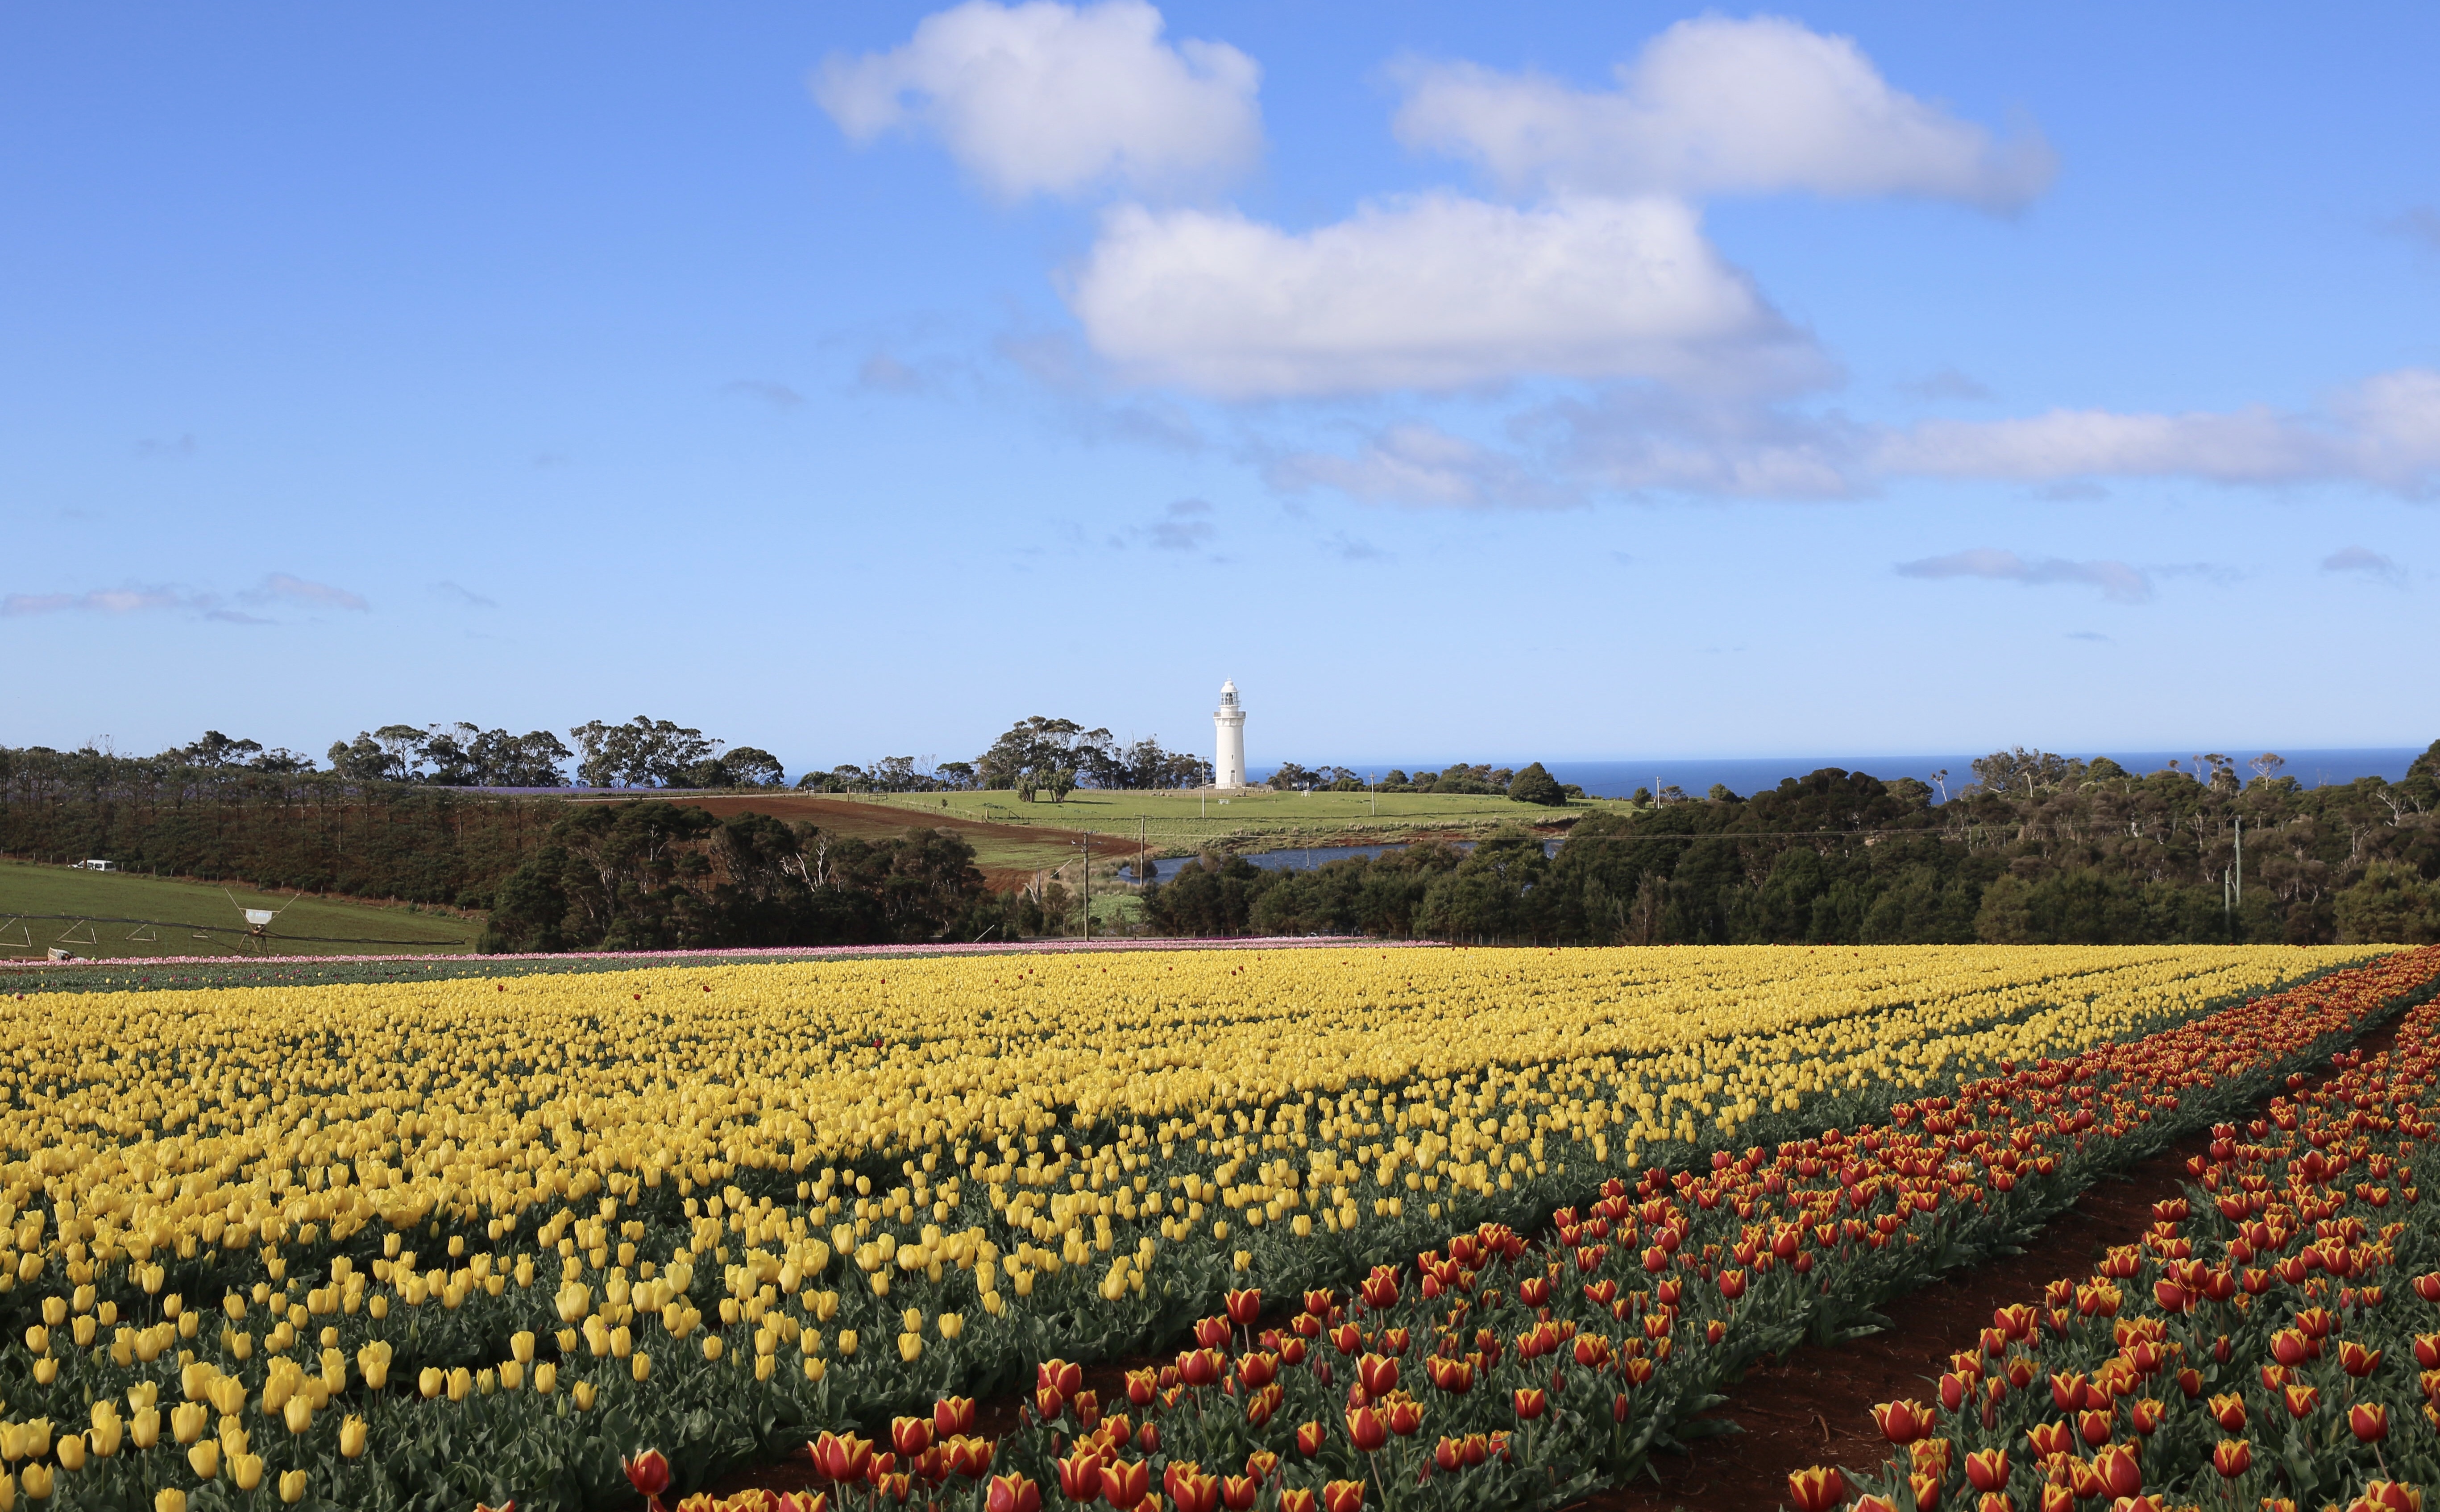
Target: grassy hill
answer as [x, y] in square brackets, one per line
[1008, 834]
[200, 918]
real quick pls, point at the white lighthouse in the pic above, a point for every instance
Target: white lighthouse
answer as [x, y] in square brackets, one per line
[1229, 721]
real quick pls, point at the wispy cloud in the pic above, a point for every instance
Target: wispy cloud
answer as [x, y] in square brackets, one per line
[1420, 464]
[2119, 582]
[1946, 385]
[277, 588]
[1185, 527]
[281, 587]
[177, 446]
[458, 594]
[100, 601]
[1351, 548]
[779, 395]
[881, 371]
[2094, 635]
[2363, 561]
[2420, 224]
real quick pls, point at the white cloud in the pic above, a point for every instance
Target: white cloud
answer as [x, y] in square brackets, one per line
[281, 587]
[102, 601]
[779, 395]
[1440, 292]
[1720, 106]
[1419, 465]
[1639, 438]
[1053, 98]
[463, 597]
[2117, 580]
[2363, 561]
[2384, 431]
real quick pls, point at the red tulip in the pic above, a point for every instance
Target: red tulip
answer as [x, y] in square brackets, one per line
[1343, 1496]
[842, 1456]
[954, 1415]
[910, 1435]
[1237, 1493]
[2117, 1470]
[2369, 1422]
[1368, 1427]
[1529, 1404]
[1310, 1437]
[1243, 1307]
[1377, 1374]
[1296, 1499]
[1125, 1485]
[1903, 1422]
[1986, 1469]
[2233, 1458]
[1817, 1488]
[1192, 1490]
[649, 1473]
[1406, 1416]
[1080, 1476]
[1013, 1493]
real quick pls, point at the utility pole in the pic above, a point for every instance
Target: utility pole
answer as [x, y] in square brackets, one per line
[1142, 875]
[1088, 884]
[2240, 862]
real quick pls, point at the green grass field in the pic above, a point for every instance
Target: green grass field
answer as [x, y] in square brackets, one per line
[311, 926]
[1185, 822]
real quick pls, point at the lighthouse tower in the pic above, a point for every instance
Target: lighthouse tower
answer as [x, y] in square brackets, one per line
[1228, 720]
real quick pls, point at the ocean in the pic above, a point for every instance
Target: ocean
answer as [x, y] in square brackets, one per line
[1745, 775]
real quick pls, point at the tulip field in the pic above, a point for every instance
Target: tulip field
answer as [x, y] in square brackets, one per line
[1425, 1229]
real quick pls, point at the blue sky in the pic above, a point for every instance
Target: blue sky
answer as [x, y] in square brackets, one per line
[1496, 383]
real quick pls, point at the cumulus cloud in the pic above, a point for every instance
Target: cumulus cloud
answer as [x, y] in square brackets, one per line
[1438, 292]
[2117, 580]
[1720, 106]
[1053, 98]
[1418, 465]
[2363, 561]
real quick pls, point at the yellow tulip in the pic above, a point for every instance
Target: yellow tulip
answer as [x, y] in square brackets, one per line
[169, 1499]
[246, 1472]
[206, 1458]
[641, 1367]
[431, 1383]
[582, 1393]
[38, 1482]
[292, 1487]
[298, 1413]
[351, 1437]
[70, 1449]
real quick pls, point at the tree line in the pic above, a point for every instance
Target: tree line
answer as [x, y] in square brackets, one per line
[2037, 849]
